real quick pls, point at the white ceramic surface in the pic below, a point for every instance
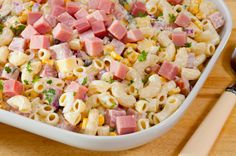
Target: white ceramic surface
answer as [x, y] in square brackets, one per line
[108, 143]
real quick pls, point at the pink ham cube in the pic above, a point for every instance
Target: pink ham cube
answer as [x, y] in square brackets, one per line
[179, 38]
[106, 5]
[57, 2]
[182, 20]
[133, 36]
[117, 30]
[82, 25]
[168, 70]
[125, 124]
[118, 69]
[62, 32]
[52, 20]
[175, 2]
[72, 7]
[12, 88]
[111, 116]
[28, 32]
[33, 17]
[61, 51]
[80, 91]
[99, 15]
[40, 1]
[86, 35]
[66, 19]
[183, 84]
[108, 20]
[13, 73]
[217, 19]
[93, 4]
[99, 28]
[57, 10]
[42, 26]
[138, 8]
[94, 46]
[39, 41]
[91, 18]
[48, 71]
[81, 13]
[18, 44]
[119, 46]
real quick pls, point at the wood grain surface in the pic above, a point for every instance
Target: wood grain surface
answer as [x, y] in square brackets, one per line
[15, 142]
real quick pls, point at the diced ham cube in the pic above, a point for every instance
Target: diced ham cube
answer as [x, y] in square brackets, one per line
[133, 36]
[62, 32]
[66, 19]
[81, 13]
[175, 2]
[94, 46]
[33, 17]
[40, 1]
[29, 32]
[118, 69]
[99, 28]
[106, 5]
[99, 15]
[217, 19]
[57, 2]
[168, 70]
[66, 125]
[182, 20]
[82, 25]
[93, 4]
[72, 7]
[119, 12]
[86, 35]
[126, 124]
[39, 41]
[108, 20]
[12, 88]
[179, 38]
[119, 46]
[57, 10]
[52, 20]
[62, 51]
[48, 71]
[111, 116]
[183, 84]
[42, 26]
[91, 18]
[136, 114]
[117, 30]
[80, 91]
[13, 73]
[138, 8]
[18, 44]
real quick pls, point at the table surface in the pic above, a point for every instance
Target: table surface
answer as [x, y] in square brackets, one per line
[17, 142]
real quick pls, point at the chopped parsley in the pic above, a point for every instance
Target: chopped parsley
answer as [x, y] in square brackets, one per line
[26, 82]
[85, 81]
[172, 18]
[145, 80]
[141, 14]
[143, 56]
[7, 69]
[160, 15]
[1, 85]
[36, 79]
[49, 95]
[129, 52]
[131, 82]
[49, 82]
[1, 28]
[188, 44]
[113, 105]
[111, 80]
[18, 29]
[28, 67]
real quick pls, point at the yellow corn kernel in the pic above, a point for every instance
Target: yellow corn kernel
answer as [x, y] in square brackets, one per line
[163, 80]
[50, 62]
[194, 6]
[84, 123]
[112, 134]
[101, 120]
[108, 48]
[1, 97]
[131, 45]
[174, 91]
[132, 57]
[126, 62]
[31, 94]
[198, 24]
[127, 6]
[115, 56]
[23, 17]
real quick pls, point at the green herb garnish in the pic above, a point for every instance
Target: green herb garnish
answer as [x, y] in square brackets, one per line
[113, 105]
[1, 28]
[49, 82]
[160, 15]
[26, 82]
[143, 56]
[28, 67]
[131, 82]
[1, 85]
[172, 18]
[188, 44]
[145, 80]
[85, 81]
[7, 69]
[49, 95]
[141, 14]
[36, 79]
[111, 80]
[18, 29]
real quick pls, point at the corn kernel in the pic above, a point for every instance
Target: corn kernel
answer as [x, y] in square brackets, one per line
[23, 17]
[31, 94]
[174, 91]
[131, 45]
[101, 120]
[108, 48]
[126, 62]
[50, 62]
[112, 134]
[127, 6]
[163, 80]
[133, 57]
[84, 123]
[198, 24]
[194, 6]
[115, 56]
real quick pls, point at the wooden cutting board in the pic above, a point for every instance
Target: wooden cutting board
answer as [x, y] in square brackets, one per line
[17, 142]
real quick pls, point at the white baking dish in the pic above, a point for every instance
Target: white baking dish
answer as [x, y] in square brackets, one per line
[100, 143]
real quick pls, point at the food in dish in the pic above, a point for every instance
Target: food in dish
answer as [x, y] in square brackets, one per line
[102, 67]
